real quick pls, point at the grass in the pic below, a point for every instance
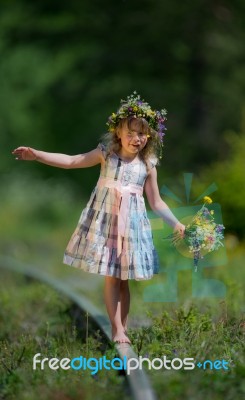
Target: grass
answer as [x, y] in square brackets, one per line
[190, 333]
[35, 319]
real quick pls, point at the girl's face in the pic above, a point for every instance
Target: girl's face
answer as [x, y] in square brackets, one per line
[133, 139]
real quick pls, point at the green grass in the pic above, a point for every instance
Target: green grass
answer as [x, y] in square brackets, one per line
[36, 319]
[190, 333]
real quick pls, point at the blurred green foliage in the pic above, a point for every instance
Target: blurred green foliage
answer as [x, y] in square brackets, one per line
[229, 175]
[66, 65]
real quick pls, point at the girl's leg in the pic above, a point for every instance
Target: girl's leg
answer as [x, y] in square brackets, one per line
[117, 299]
[124, 303]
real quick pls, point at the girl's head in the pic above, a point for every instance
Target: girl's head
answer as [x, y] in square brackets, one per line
[135, 136]
[137, 128]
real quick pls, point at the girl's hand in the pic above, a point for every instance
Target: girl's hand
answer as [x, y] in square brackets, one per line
[25, 153]
[180, 228]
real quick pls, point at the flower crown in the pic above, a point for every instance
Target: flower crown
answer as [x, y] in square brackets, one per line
[135, 106]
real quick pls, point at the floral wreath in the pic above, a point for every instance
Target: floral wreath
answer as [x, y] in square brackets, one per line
[135, 106]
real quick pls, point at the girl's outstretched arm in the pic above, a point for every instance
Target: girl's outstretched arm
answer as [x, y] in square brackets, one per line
[158, 205]
[85, 160]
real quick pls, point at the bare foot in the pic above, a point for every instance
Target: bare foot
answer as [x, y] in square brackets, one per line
[120, 337]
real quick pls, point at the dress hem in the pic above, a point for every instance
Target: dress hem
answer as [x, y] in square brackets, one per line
[69, 261]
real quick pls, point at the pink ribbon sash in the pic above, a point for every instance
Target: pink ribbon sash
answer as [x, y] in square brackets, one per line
[125, 192]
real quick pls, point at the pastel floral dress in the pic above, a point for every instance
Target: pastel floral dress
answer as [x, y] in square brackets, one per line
[113, 236]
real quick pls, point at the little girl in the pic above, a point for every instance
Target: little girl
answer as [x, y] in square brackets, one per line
[113, 236]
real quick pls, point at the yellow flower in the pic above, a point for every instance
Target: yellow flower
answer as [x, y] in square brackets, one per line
[207, 200]
[212, 212]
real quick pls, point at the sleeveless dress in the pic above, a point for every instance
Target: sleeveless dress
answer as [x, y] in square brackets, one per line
[113, 236]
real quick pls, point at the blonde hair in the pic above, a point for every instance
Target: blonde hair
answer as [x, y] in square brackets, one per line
[151, 149]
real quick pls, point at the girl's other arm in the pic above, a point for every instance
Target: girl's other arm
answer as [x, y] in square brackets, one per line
[85, 160]
[158, 205]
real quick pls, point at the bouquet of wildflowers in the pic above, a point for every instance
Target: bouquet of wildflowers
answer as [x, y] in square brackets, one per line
[202, 234]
